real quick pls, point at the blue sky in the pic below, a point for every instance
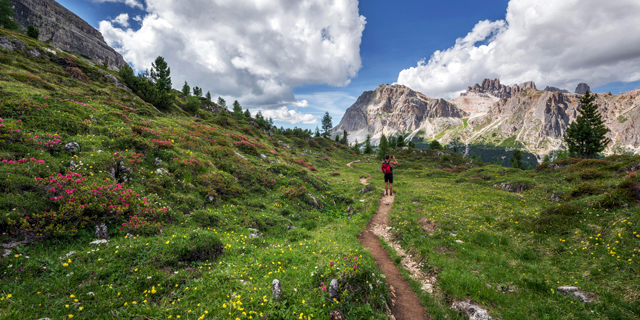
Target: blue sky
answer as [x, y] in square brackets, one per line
[397, 36]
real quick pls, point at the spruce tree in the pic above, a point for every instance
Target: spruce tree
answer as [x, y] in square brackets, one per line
[237, 111]
[326, 125]
[7, 16]
[221, 103]
[317, 134]
[208, 96]
[186, 90]
[33, 32]
[161, 75]
[401, 142]
[586, 137]
[337, 138]
[355, 147]
[197, 91]
[546, 158]
[345, 140]
[516, 160]
[435, 145]
[384, 147]
[367, 145]
[247, 115]
[455, 149]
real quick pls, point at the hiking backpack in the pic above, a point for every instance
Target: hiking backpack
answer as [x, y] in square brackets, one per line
[386, 168]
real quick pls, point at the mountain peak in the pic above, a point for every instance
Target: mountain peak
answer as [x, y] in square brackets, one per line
[498, 90]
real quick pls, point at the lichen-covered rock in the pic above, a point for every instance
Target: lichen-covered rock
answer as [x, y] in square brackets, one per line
[72, 147]
[101, 231]
[334, 290]
[11, 44]
[276, 288]
[472, 311]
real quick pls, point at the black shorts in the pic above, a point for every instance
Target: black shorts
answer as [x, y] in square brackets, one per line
[388, 177]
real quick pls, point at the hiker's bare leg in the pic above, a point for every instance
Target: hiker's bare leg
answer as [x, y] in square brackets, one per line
[386, 187]
[391, 188]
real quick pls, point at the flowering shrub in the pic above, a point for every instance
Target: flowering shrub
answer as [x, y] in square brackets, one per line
[80, 203]
[162, 144]
[293, 191]
[21, 161]
[140, 226]
[335, 173]
[302, 163]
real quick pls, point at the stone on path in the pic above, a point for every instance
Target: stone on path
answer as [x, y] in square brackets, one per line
[276, 288]
[470, 310]
[98, 242]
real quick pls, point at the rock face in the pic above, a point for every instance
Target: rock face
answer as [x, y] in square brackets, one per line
[391, 109]
[582, 88]
[494, 88]
[65, 30]
[554, 89]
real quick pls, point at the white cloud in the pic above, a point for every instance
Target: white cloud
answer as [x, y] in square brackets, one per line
[122, 19]
[255, 51]
[137, 18]
[291, 116]
[130, 3]
[555, 43]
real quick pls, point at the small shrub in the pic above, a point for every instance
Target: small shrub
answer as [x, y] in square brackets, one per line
[76, 73]
[33, 32]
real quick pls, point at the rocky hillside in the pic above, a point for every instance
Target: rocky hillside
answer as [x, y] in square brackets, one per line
[65, 30]
[518, 116]
[393, 109]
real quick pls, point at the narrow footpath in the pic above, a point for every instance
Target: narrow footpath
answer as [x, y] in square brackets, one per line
[405, 303]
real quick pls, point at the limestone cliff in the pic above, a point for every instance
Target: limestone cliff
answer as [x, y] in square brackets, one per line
[390, 110]
[494, 88]
[65, 30]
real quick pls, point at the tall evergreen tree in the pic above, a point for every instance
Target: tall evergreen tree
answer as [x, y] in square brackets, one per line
[33, 32]
[161, 75]
[345, 139]
[435, 145]
[355, 147]
[455, 149]
[326, 125]
[585, 137]
[197, 91]
[247, 115]
[237, 111]
[384, 147]
[367, 145]
[208, 96]
[221, 103]
[546, 158]
[400, 142]
[7, 16]
[186, 90]
[392, 142]
[337, 138]
[516, 160]
[317, 134]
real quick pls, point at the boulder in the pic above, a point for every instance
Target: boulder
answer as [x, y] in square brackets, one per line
[10, 44]
[334, 290]
[276, 288]
[101, 231]
[472, 311]
[72, 147]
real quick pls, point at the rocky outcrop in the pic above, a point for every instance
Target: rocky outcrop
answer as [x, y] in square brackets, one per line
[494, 88]
[65, 30]
[391, 109]
[554, 89]
[582, 88]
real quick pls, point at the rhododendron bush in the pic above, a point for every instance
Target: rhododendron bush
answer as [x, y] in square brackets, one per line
[80, 202]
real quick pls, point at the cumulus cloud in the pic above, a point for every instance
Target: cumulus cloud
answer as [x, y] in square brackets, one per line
[291, 116]
[122, 19]
[255, 51]
[555, 43]
[130, 3]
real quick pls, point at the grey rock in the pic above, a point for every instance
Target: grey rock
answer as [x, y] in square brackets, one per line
[582, 88]
[129, 235]
[65, 30]
[72, 147]
[99, 242]
[162, 171]
[334, 290]
[459, 241]
[44, 319]
[575, 293]
[494, 88]
[115, 81]
[367, 188]
[72, 164]
[14, 244]
[210, 198]
[276, 288]
[239, 155]
[554, 89]
[34, 53]
[93, 119]
[514, 187]
[158, 161]
[66, 256]
[473, 312]
[263, 156]
[100, 151]
[11, 44]
[6, 253]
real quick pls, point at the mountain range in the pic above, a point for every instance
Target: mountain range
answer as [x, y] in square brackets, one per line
[490, 113]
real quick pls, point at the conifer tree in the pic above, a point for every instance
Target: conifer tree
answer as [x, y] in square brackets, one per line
[586, 136]
[337, 138]
[384, 147]
[367, 145]
[208, 96]
[546, 158]
[317, 134]
[435, 145]
[186, 90]
[222, 103]
[237, 111]
[7, 16]
[455, 149]
[516, 160]
[400, 142]
[355, 147]
[161, 75]
[33, 32]
[326, 125]
[247, 114]
[197, 91]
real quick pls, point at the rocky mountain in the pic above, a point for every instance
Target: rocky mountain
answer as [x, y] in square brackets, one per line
[65, 30]
[518, 116]
[582, 88]
[554, 89]
[393, 109]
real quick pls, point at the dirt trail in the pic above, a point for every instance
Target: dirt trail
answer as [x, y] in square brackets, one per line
[364, 180]
[405, 303]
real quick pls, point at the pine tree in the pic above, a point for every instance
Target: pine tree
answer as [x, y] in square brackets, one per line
[7, 16]
[455, 149]
[317, 134]
[546, 158]
[33, 32]
[197, 91]
[186, 90]
[586, 137]
[516, 160]
[247, 114]
[384, 147]
[345, 140]
[367, 145]
[355, 147]
[401, 142]
[270, 120]
[221, 103]
[473, 155]
[208, 96]
[393, 142]
[161, 75]
[337, 138]
[435, 145]
[326, 125]
[237, 111]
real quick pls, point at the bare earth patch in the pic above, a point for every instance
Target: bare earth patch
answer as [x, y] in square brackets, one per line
[429, 226]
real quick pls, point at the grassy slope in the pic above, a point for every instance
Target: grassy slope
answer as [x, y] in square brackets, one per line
[171, 274]
[512, 243]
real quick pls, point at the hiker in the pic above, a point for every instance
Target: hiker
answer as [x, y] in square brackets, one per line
[387, 169]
